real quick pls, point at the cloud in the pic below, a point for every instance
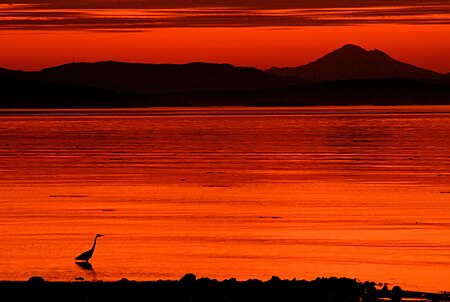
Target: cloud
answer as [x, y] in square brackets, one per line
[246, 4]
[140, 15]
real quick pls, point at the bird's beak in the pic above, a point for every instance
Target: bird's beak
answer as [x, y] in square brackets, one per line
[100, 235]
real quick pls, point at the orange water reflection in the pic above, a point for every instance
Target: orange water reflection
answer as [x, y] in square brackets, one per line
[225, 193]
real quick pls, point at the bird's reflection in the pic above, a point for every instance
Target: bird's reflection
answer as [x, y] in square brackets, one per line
[85, 265]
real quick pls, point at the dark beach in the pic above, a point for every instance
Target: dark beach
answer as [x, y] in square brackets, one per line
[189, 288]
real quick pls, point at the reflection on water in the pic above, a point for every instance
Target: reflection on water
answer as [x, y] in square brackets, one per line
[88, 272]
[233, 192]
[85, 265]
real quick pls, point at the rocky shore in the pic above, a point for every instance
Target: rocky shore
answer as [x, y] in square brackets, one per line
[191, 289]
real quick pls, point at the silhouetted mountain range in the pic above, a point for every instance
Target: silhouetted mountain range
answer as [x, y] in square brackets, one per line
[353, 62]
[347, 76]
[161, 78]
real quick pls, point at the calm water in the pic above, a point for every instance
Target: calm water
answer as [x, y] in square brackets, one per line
[247, 193]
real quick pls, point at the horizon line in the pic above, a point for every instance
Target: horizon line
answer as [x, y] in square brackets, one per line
[214, 63]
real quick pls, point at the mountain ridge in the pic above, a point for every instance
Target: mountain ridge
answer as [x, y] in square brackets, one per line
[340, 77]
[161, 78]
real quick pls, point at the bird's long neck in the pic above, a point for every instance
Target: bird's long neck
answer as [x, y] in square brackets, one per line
[95, 242]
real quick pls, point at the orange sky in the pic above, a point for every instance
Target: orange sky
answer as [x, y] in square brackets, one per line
[34, 35]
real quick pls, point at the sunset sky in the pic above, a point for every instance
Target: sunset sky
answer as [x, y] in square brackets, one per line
[35, 34]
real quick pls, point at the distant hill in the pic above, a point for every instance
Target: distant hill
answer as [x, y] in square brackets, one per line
[7, 73]
[353, 62]
[161, 78]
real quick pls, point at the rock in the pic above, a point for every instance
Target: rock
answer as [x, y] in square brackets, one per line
[36, 280]
[188, 278]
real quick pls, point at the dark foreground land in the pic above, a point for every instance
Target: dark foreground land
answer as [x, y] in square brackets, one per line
[191, 289]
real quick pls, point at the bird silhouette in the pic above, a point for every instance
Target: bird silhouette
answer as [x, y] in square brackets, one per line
[88, 254]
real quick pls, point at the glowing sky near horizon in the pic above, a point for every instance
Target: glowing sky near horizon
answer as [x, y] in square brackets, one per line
[36, 34]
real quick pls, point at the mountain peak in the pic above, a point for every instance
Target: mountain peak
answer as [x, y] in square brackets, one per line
[355, 52]
[351, 47]
[354, 62]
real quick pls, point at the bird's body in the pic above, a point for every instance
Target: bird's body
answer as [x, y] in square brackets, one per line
[88, 254]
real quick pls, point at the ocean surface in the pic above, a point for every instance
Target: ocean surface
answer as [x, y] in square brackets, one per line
[360, 192]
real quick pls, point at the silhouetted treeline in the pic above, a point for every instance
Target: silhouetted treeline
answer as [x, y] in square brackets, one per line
[360, 92]
[189, 288]
[34, 94]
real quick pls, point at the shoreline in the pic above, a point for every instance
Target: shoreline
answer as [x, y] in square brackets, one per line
[189, 288]
[183, 110]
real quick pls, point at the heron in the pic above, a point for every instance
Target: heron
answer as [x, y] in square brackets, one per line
[88, 254]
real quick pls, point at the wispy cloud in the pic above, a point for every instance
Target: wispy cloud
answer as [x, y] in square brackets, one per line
[139, 15]
[246, 4]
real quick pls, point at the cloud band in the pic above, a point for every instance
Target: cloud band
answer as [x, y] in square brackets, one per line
[92, 16]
